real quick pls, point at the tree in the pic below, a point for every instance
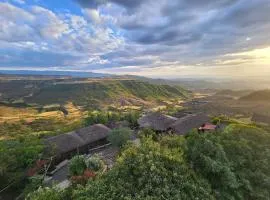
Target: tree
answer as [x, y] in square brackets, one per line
[16, 156]
[147, 172]
[118, 137]
[235, 162]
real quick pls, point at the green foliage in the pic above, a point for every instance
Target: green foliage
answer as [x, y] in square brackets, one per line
[132, 117]
[47, 193]
[105, 117]
[247, 148]
[147, 172]
[33, 183]
[208, 158]
[118, 137]
[149, 133]
[94, 163]
[234, 162]
[77, 165]
[16, 156]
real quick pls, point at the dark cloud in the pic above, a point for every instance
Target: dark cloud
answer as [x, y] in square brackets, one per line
[129, 4]
[90, 3]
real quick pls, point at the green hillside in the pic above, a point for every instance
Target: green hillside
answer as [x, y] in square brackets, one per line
[86, 93]
[262, 95]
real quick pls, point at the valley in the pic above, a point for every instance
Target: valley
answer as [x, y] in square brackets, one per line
[36, 109]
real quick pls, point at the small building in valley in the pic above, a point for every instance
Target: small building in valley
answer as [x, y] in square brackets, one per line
[156, 121]
[66, 145]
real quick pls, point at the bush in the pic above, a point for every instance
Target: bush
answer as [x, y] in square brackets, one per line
[118, 137]
[94, 163]
[147, 132]
[77, 165]
[46, 193]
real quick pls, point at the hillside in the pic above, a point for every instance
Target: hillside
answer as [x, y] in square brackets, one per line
[87, 92]
[262, 95]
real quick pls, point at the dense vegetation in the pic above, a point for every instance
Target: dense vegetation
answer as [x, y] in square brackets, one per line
[232, 164]
[16, 157]
[111, 117]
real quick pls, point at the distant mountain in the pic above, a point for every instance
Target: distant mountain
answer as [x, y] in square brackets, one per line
[262, 95]
[74, 74]
[209, 84]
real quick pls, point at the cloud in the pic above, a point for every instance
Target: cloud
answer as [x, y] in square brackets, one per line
[141, 35]
[49, 39]
[93, 15]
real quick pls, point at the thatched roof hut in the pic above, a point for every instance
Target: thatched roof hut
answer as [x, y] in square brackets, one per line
[156, 121]
[63, 143]
[71, 141]
[189, 122]
[93, 133]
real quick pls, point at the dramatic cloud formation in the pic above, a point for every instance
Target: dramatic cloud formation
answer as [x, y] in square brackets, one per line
[144, 37]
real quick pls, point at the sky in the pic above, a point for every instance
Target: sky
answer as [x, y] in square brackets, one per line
[155, 38]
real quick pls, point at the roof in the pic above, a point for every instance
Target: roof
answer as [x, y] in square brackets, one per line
[208, 126]
[189, 122]
[93, 133]
[156, 121]
[70, 141]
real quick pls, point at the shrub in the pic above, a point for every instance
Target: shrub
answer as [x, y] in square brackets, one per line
[118, 137]
[77, 165]
[94, 163]
[147, 132]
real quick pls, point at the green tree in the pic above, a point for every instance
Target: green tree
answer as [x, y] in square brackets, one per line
[147, 172]
[16, 156]
[235, 162]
